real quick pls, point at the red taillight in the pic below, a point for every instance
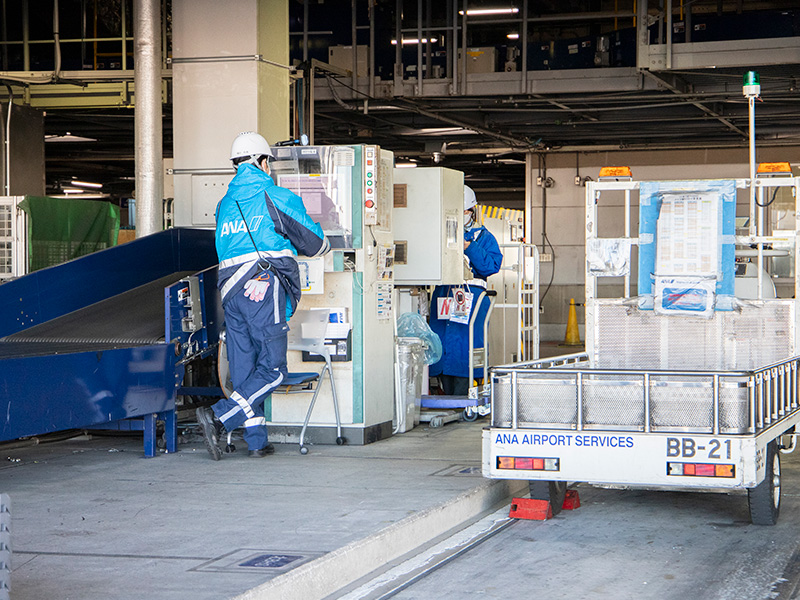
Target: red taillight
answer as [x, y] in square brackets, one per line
[700, 470]
[526, 463]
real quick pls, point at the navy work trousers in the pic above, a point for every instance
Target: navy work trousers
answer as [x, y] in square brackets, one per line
[256, 341]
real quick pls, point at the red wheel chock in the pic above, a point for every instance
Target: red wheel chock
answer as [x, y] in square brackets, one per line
[526, 508]
[571, 500]
[541, 510]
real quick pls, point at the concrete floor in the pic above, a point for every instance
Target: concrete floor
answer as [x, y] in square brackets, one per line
[93, 519]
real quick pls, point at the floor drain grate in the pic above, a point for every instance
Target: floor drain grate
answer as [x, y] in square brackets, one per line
[247, 560]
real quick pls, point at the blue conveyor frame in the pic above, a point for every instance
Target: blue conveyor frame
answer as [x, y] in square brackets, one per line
[55, 386]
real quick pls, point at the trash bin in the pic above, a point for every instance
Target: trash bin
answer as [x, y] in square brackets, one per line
[410, 361]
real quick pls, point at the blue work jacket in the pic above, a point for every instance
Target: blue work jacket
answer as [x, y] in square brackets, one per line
[261, 225]
[483, 252]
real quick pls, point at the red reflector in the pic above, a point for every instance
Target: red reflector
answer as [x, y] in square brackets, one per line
[705, 470]
[688, 469]
[524, 463]
[538, 464]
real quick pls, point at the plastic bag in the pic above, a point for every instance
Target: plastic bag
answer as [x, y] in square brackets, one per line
[412, 324]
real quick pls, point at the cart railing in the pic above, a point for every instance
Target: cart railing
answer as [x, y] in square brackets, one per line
[565, 393]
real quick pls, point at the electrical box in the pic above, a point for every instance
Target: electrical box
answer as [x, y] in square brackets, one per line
[479, 60]
[428, 226]
[342, 57]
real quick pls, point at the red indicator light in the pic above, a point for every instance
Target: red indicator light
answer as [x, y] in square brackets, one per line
[524, 463]
[705, 470]
[369, 204]
[369, 162]
[688, 469]
[538, 464]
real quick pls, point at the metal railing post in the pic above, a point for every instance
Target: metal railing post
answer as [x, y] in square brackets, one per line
[646, 383]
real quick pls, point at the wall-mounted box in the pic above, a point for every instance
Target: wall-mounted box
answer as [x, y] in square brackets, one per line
[429, 226]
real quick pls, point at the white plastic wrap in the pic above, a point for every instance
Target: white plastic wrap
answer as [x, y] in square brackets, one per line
[609, 257]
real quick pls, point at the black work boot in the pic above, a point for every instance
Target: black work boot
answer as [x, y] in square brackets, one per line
[212, 429]
[268, 449]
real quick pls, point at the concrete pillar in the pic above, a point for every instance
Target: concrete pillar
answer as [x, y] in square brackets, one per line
[148, 128]
[229, 76]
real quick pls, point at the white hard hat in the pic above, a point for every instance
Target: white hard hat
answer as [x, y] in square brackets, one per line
[249, 143]
[469, 198]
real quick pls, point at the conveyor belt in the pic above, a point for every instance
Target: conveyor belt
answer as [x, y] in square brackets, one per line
[133, 318]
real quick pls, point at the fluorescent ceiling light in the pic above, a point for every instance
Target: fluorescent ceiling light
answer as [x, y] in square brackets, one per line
[86, 184]
[438, 131]
[478, 12]
[72, 194]
[415, 41]
[513, 36]
[68, 137]
[406, 165]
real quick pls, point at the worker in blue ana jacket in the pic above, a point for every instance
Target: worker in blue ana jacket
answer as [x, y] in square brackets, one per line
[260, 230]
[453, 305]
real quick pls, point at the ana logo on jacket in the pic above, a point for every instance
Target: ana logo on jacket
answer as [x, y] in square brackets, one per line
[238, 226]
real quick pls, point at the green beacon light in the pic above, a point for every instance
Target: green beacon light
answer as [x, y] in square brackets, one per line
[751, 85]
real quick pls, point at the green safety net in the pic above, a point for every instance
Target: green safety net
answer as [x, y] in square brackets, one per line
[60, 229]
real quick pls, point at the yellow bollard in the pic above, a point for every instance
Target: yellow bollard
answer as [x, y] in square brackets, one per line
[573, 337]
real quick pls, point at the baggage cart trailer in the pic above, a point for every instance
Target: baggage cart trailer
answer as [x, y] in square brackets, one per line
[662, 400]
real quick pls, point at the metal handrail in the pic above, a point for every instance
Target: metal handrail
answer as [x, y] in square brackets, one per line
[772, 390]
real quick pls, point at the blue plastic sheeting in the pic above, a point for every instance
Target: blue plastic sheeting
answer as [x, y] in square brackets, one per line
[650, 200]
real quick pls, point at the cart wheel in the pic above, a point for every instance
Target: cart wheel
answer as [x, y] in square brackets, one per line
[765, 499]
[470, 415]
[303, 450]
[340, 441]
[230, 448]
[436, 422]
[553, 491]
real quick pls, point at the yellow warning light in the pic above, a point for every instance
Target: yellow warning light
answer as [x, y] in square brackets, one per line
[776, 168]
[615, 172]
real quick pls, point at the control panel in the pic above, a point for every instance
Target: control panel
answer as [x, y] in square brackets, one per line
[370, 185]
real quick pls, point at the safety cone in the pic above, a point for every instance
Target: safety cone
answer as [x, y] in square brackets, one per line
[573, 337]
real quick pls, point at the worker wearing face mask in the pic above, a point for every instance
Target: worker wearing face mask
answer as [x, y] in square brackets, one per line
[261, 228]
[453, 305]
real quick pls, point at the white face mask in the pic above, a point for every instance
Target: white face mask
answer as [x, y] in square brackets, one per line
[469, 218]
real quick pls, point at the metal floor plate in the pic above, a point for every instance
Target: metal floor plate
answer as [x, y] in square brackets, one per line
[248, 560]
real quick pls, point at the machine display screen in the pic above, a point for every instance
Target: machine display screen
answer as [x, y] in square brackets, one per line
[322, 177]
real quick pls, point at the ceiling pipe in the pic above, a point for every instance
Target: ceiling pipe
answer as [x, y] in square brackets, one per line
[147, 115]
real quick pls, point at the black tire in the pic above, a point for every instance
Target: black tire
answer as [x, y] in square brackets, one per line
[470, 415]
[553, 491]
[764, 500]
